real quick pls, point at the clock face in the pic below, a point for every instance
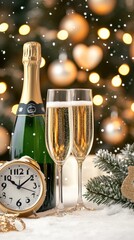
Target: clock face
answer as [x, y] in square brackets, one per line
[20, 186]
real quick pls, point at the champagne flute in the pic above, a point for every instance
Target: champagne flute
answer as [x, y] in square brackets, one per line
[83, 132]
[59, 132]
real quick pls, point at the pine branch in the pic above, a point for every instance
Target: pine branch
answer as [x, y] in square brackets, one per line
[106, 190]
[117, 165]
[103, 190]
[128, 152]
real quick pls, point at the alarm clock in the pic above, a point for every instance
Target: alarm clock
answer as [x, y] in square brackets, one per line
[22, 186]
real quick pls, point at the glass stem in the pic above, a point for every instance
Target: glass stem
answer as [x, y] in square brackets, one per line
[60, 206]
[79, 200]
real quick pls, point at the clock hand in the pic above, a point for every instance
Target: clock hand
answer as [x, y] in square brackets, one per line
[28, 189]
[13, 182]
[19, 186]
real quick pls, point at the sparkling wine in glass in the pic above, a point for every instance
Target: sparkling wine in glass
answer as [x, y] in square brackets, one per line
[59, 133]
[83, 131]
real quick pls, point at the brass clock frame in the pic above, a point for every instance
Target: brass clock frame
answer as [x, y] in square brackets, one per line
[27, 161]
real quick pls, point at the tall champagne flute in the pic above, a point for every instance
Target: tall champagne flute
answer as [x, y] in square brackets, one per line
[59, 132]
[83, 131]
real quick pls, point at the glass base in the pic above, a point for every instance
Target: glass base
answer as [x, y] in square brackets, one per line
[81, 207]
[61, 212]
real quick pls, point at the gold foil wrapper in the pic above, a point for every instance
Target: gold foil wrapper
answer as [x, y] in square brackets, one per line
[31, 52]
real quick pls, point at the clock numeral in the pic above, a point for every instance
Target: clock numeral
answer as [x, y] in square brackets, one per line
[28, 171]
[32, 178]
[33, 194]
[11, 199]
[17, 171]
[21, 171]
[3, 185]
[27, 200]
[7, 177]
[4, 195]
[35, 185]
[19, 203]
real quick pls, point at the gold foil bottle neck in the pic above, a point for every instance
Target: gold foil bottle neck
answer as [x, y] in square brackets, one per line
[31, 52]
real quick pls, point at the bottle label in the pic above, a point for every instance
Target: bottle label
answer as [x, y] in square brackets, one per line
[31, 109]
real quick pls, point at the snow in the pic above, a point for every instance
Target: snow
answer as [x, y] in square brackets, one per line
[107, 223]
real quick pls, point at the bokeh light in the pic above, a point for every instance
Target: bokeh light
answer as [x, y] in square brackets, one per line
[4, 140]
[124, 69]
[97, 100]
[94, 77]
[24, 29]
[104, 33]
[116, 81]
[132, 107]
[62, 35]
[3, 27]
[43, 62]
[127, 38]
[3, 87]
[14, 109]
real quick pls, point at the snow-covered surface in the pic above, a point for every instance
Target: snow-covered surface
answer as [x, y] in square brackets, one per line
[109, 223]
[103, 223]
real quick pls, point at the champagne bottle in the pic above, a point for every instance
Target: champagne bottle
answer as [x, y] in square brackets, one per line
[29, 130]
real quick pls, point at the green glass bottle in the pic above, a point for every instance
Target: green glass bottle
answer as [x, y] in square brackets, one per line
[29, 130]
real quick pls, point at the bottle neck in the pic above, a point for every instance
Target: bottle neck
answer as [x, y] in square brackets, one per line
[31, 85]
